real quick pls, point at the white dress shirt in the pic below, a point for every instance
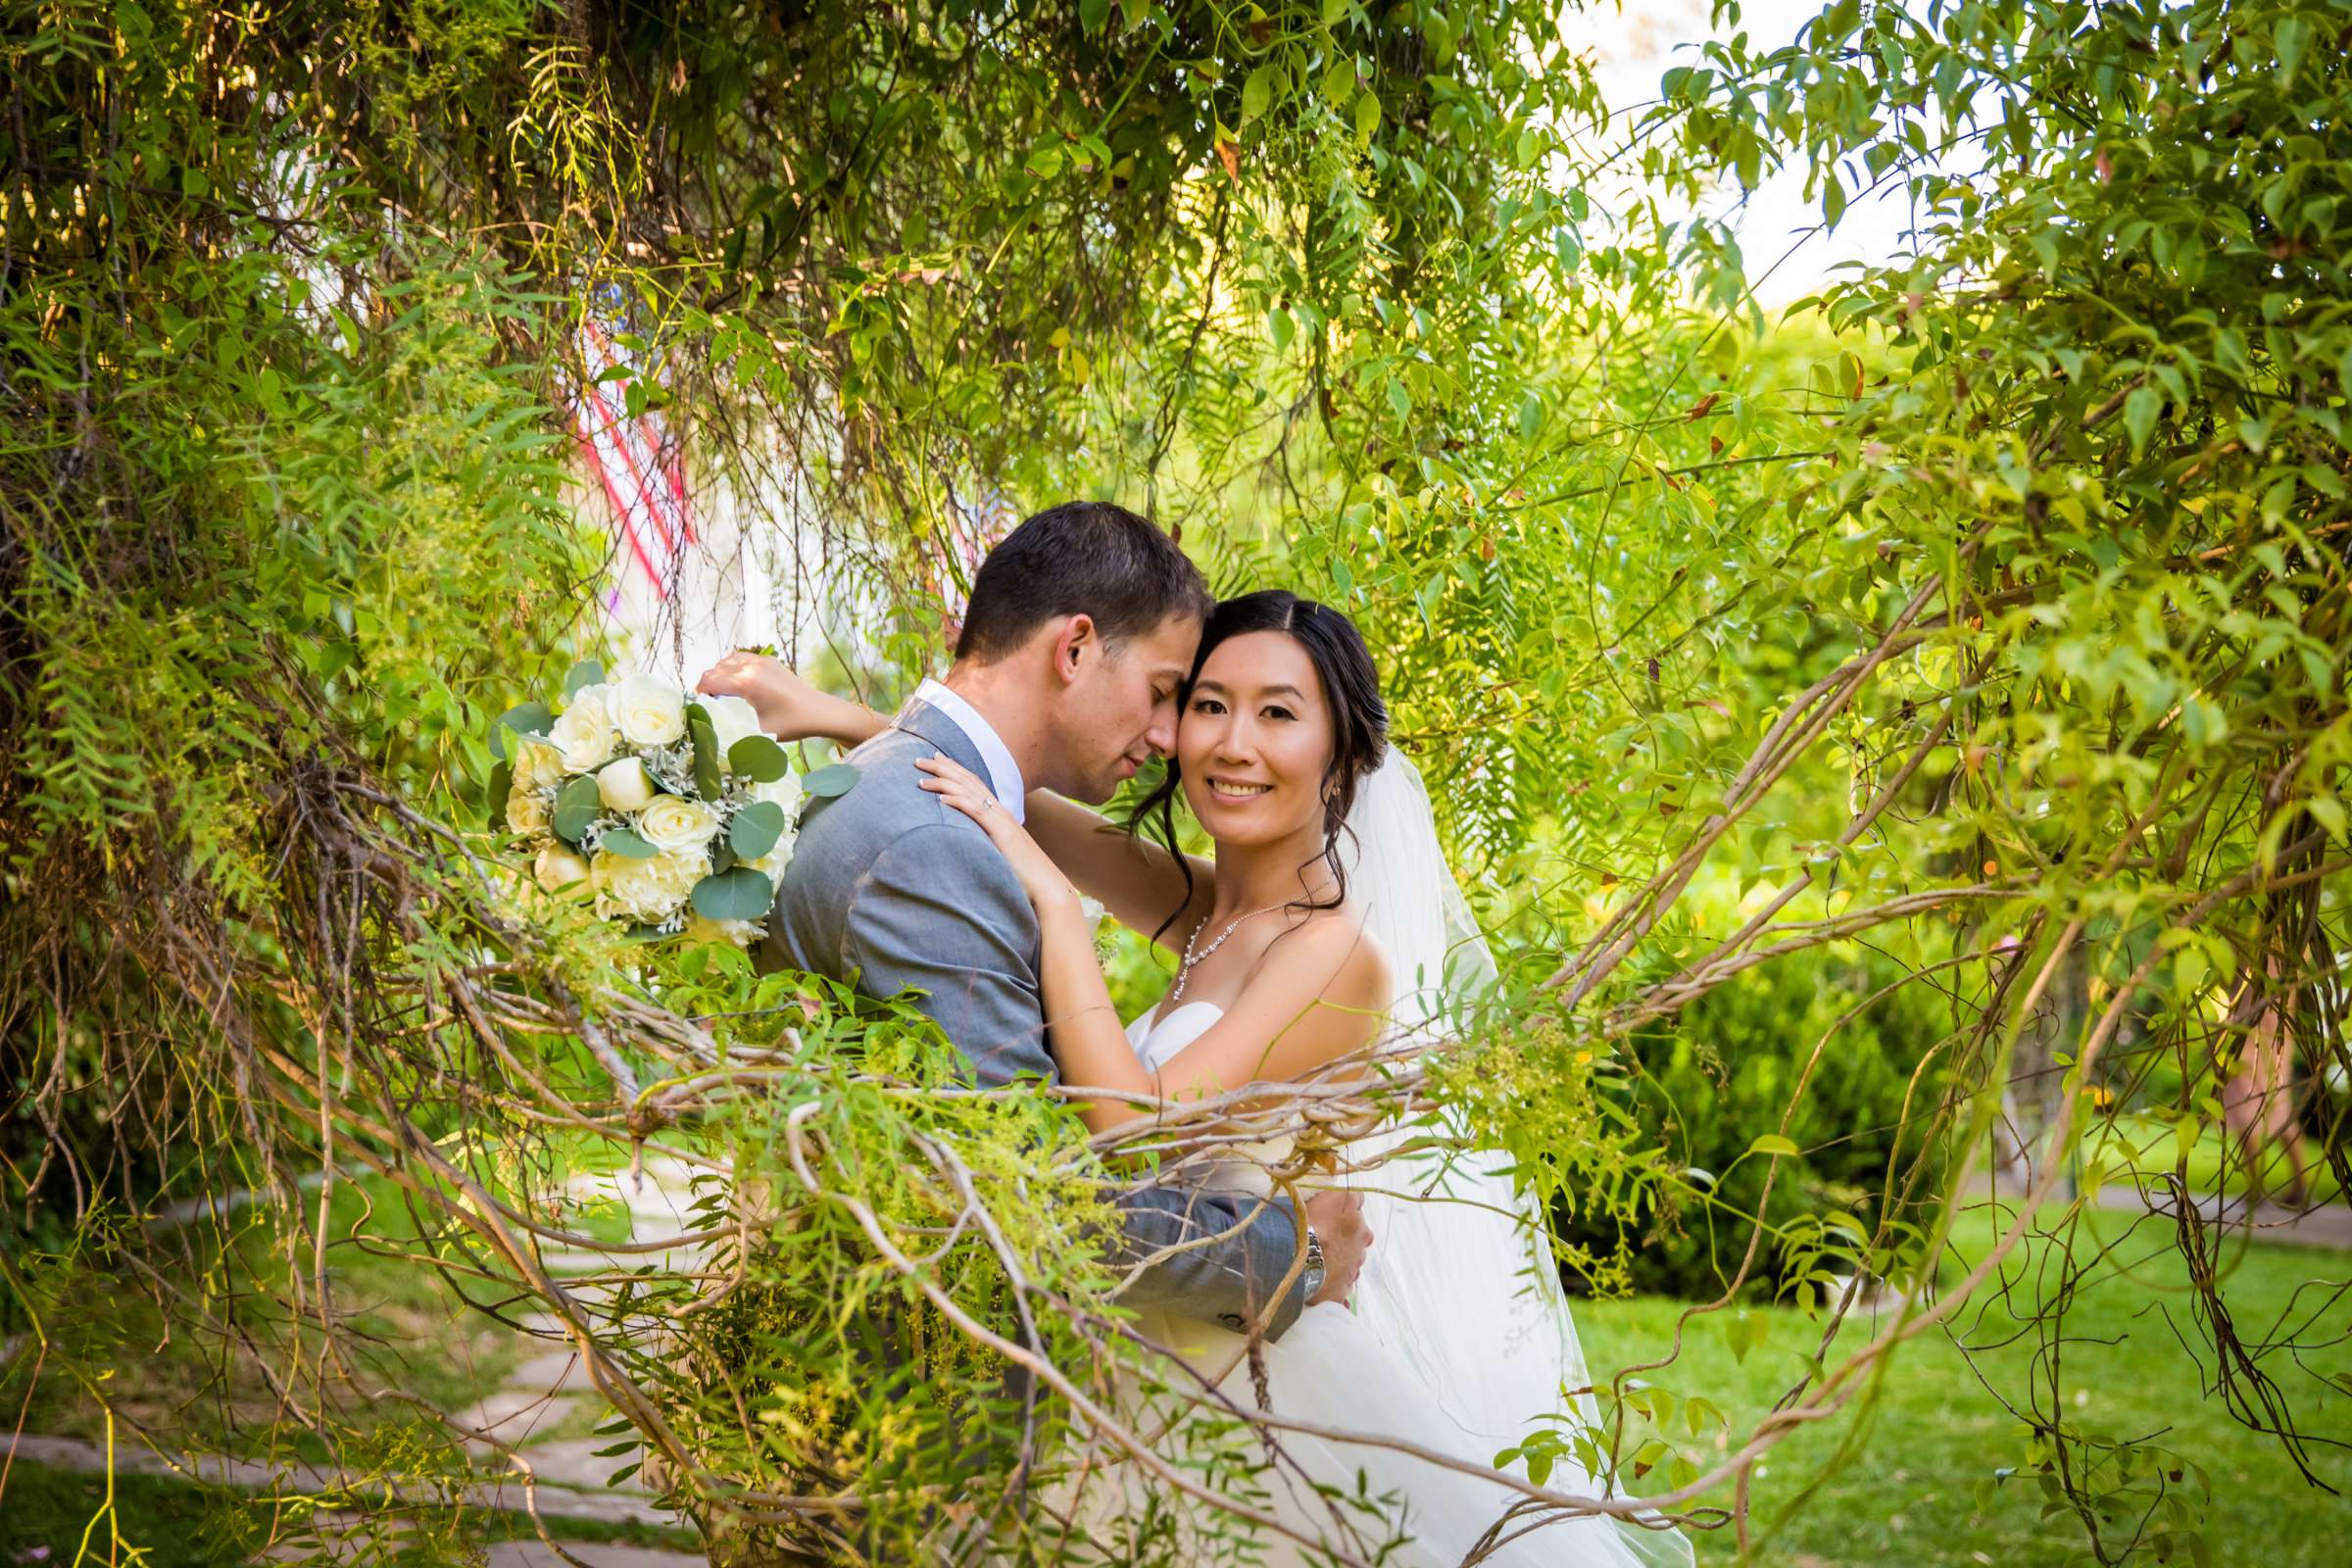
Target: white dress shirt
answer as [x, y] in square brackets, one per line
[1003, 774]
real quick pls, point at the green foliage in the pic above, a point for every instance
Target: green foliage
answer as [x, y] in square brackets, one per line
[2002, 592]
[1853, 1072]
[171, 1524]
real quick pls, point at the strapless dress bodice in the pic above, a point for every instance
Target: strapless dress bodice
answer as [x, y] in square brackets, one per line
[1159, 1037]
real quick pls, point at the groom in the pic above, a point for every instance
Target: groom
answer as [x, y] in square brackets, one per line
[1079, 635]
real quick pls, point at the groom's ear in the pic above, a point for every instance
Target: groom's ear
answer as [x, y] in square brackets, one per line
[1074, 644]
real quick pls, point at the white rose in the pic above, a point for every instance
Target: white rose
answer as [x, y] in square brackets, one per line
[624, 786]
[731, 719]
[674, 822]
[649, 711]
[741, 933]
[559, 870]
[526, 811]
[583, 733]
[785, 792]
[537, 765]
[649, 890]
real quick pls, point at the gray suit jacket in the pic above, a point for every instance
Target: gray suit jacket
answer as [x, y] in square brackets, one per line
[892, 889]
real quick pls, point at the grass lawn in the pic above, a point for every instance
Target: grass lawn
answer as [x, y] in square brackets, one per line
[1910, 1496]
[46, 1514]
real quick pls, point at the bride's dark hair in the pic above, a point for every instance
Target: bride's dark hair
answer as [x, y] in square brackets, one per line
[1360, 720]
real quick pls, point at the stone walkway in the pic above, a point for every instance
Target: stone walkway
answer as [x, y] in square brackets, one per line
[547, 1406]
[2327, 1225]
[535, 1555]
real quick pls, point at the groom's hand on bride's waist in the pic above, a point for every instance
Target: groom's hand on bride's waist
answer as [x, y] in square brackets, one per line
[1338, 1221]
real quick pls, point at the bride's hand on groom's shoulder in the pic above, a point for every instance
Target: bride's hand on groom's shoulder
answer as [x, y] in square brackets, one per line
[789, 707]
[1041, 878]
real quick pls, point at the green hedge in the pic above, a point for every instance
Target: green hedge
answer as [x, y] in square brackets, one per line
[1721, 1074]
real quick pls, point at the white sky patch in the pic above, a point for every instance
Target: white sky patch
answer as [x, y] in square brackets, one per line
[1789, 254]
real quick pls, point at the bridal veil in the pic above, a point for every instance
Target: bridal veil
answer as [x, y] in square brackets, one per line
[1461, 1285]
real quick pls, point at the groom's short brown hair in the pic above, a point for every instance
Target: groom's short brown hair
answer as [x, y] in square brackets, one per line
[1082, 558]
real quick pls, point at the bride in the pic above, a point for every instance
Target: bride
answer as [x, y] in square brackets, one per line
[1325, 922]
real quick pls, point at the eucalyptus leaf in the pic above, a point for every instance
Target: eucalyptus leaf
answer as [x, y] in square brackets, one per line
[759, 759]
[523, 719]
[577, 805]
[708, 770]
[828, 782]
[756, 829]
[628, 844]
[587, 672]
[740, 894]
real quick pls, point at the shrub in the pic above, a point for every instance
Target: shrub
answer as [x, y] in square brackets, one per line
[1724, 1072]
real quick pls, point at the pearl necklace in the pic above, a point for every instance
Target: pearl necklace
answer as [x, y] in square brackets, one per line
[1185, 971]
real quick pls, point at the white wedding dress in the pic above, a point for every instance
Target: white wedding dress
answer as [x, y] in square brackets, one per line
[1456, 1339]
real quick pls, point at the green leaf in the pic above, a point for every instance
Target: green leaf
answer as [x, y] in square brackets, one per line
[1092, 15]
[1439, 34]
[1367, 116]
[709, 773]
[587, 672]
[523, 719]
[2293, 40]
[742, 894]
[578, 804]
[1399, 399]
[628, 843]
[1340, 80]
[1774, 1144]
[759, 759]
[502, 785]
[1743, 1331]
[828, 782]
[1256, 91]
[2139, 415]
[756, 829]
[1279, 328]
[1530, 417]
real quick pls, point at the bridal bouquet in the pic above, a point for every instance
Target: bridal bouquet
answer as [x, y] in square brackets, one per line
[673, 814]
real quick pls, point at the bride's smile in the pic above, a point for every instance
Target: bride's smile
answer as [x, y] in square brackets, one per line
[1254, 742]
